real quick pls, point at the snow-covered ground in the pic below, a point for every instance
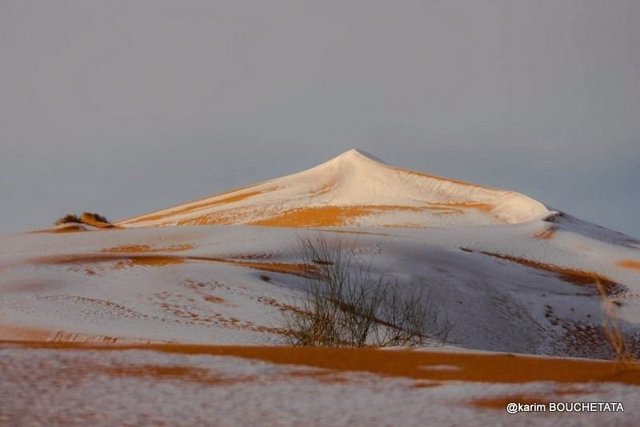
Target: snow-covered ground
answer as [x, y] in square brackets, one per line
[74, 386]
[505, 271]
[502, 288]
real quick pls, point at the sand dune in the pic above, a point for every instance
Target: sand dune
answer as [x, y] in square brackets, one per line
[353, 189]
[193, 302]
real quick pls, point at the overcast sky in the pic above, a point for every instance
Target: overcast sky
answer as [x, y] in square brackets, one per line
[124, 107]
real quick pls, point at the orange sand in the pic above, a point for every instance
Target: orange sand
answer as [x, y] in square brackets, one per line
[495, 368]
[575, 276]
[483, 207]
[322, 216]
[275, 267]
[200, 204]
[328, 216]
[146, 248]
[325, 216]
[125, 260]
[629, 263]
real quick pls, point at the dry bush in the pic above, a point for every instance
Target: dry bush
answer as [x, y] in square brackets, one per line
[346, 304]
[68, 219]
[612, 330]
[88, 218]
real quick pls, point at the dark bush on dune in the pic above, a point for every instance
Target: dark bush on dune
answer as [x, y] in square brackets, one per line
[88, 218]
[68, 219]
[346, 304]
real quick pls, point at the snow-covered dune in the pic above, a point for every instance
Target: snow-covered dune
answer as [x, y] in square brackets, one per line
[503, 270]
[353, 189]
[518, 288]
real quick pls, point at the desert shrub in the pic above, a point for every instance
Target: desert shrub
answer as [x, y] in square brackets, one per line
[89, 217]
[68, 219]
[613, 330]
[346, 304]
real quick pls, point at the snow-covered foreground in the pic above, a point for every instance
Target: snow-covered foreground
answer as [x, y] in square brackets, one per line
[507, 273]
[230, 386]
[501, 287]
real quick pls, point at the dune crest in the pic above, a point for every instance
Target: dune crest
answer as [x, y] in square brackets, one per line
[353, 189]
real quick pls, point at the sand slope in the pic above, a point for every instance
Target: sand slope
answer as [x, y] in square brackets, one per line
[353, 189]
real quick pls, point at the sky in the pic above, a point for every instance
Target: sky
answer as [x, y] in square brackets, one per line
[125, 107]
